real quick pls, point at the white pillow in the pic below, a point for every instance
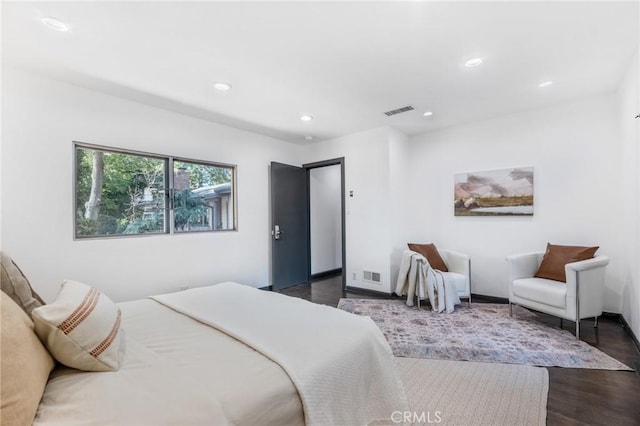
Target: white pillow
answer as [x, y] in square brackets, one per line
[81, 328]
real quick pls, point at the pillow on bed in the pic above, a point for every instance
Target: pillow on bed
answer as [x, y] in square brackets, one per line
[81, 328]
[16, 286]
[25, 365]
[431, 253]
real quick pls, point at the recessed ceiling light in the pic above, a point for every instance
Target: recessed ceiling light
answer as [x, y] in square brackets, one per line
[545, 83]
[306, 118]
[428, 114]
[308, 138]
[55, 24]
[473, 62]
[222, 86]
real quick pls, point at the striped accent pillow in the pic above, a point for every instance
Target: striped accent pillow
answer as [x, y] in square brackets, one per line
[81, 328]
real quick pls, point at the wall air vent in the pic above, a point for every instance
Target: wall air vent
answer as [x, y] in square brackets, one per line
[371, 276]
[399, 110]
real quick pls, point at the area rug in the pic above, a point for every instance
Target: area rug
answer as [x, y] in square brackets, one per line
[471, 393]
[483, 332]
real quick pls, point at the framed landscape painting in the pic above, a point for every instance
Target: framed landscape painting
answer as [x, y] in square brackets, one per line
[506, 192]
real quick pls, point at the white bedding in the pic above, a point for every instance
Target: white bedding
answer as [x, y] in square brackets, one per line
[341, 364]
[215, 379]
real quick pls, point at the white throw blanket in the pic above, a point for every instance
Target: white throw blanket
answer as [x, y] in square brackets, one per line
[340, 363]
[417, 278]
[443, 294]
[411, 276]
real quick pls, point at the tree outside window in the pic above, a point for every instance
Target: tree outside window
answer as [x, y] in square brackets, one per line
[122, 193]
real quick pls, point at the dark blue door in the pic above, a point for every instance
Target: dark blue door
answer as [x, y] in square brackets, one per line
[289, 226]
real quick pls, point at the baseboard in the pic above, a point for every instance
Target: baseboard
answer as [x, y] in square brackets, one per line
[326, 274]
[492, 299]
[367, 291]
[629, 331]
[611, 316]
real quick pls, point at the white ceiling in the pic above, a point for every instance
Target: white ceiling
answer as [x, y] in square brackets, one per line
[343, 63]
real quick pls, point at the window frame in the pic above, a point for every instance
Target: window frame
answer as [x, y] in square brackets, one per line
[169, 226]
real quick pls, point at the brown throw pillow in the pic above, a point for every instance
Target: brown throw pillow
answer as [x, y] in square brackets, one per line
[16, 286]
[26, 365]
[431, 253]
[556, 257]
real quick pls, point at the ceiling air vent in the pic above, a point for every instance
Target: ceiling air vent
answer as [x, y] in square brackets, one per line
[399, 110]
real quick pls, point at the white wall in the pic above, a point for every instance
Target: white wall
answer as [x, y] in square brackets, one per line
[628, 103]
[401, 193]
[578, 189]
[585, 156]
[367, 212]
[42, 117]
[326, 218]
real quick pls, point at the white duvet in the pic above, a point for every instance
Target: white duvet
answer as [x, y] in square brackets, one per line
[340, 363]
[146, 390]
[330, 367]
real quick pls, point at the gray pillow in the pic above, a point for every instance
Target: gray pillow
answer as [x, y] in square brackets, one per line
[15, 285]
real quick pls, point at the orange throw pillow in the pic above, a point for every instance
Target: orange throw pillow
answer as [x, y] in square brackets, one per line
[556, 257]
[431, 253]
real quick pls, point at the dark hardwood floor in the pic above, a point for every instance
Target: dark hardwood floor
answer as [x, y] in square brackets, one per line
[576, 396]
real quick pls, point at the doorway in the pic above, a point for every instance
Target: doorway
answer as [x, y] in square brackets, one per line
[325, 221]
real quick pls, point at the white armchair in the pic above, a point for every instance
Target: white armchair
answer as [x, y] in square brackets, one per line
[459, 266]
[580, 297]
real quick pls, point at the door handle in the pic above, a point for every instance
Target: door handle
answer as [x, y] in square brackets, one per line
[276, 232]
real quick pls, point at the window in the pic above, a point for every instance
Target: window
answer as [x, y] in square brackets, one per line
[120, 193]
[202, 197]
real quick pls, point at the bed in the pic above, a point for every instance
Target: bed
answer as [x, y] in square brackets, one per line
[229, 354]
